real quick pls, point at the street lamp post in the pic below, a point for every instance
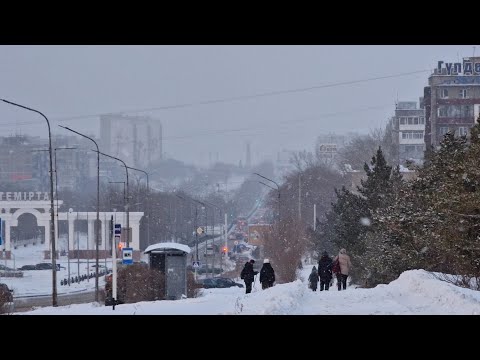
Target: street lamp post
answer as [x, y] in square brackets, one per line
[148, 203]
[68, 242]
[206, 220]
[120, 182]
[97, 230]
[278, 189]
[213, 231]
[52, 210]
[56, 195]
[271, 187]
[127, 197]
[196, 234]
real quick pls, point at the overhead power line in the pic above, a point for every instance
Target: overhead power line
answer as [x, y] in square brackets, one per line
[235, 98]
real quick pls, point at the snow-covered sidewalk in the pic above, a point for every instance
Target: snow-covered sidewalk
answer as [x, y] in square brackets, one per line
[414, 292]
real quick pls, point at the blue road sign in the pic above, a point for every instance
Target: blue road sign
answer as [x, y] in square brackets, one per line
[127, 256]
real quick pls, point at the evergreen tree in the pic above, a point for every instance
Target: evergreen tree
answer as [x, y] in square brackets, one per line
[378, 185]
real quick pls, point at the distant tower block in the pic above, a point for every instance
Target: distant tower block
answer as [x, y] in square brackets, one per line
[248, 162]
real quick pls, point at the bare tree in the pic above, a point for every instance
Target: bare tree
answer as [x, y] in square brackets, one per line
[284, 244]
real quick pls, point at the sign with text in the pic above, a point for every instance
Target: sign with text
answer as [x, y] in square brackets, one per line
[24, 196]
[467, 67]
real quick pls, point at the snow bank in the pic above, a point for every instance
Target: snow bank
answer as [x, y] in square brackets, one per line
[414, 292]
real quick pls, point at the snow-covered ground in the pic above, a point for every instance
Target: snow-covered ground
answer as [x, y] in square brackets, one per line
[39, 282]
[414, 292]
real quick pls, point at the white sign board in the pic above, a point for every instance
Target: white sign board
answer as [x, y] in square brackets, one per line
[127, 256]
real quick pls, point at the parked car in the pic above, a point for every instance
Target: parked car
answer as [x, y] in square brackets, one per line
[28, 267]
[210, 283]
[226, 283]
[6, 299]
[43, 266]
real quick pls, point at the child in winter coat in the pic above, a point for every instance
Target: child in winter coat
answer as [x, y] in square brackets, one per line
[313, 279]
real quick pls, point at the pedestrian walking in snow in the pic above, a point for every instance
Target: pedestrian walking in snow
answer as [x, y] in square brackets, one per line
[267, 275]
[313, 279]
[344, 267]
[248, 275]
[325, 271]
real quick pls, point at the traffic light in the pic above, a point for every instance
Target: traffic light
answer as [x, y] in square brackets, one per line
[224, 250]
[120, 245]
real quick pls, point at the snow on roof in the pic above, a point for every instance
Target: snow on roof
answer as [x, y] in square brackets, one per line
[168, 245]
[404, 169]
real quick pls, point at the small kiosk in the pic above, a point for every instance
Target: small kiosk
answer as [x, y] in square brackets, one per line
[171, 259]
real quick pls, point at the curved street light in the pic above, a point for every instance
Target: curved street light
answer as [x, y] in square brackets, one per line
[278, 189]
[52, 209]
[127, 197]
[97, 230]
[148, 202]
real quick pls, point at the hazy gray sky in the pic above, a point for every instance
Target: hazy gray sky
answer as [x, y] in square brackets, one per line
[65, 81]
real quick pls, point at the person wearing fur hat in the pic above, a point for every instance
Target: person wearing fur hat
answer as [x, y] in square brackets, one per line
[267, 275]
[248, 275]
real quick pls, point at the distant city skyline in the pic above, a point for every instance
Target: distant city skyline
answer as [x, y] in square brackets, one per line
[274, 97]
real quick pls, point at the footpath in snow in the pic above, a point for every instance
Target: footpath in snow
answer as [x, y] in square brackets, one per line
[414, 292]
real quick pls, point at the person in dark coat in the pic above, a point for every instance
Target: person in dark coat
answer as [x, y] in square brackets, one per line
[248, 275]
[313, 279]
[325, 271]
[267, 275]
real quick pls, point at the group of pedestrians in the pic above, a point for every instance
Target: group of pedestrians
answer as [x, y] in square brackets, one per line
[267, 275]
[339, 266]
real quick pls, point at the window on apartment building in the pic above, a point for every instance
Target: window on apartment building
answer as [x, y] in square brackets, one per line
[455, 111]
[415, 120]
[420, 148]
[462, 131]
[409, 135]
[422, 120]
[403, 120]
[444, 93]
[410, 149]
[442, 111]
[443, 130]
[463, 94]
[410, 121]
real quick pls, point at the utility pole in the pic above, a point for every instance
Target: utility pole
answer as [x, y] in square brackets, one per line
[314, 217]
[114, 261]
[299, 198]
[226, 238]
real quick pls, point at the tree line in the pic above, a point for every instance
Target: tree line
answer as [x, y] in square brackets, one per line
[388, 224]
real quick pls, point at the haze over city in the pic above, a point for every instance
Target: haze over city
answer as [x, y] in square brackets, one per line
[240, 179]
[70, 81]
